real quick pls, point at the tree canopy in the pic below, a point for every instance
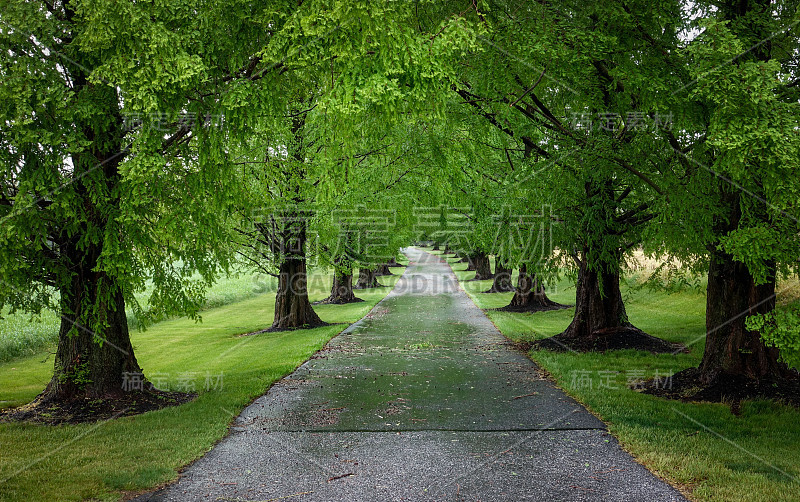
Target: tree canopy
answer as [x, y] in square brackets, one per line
[155, 143]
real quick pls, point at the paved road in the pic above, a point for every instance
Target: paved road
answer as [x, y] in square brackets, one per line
[423, 399]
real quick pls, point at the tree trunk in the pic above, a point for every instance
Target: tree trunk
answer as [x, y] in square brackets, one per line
[292, 308]
[600, 321]
[382, 270]
[435, 246]
[502, 278]
[483, 267]
[595, 310]
[393, 262]
[731, 350]
[470, 261]
[530, 295]
[89, 365]
[367, 279]
[94, 355]
[342, 288]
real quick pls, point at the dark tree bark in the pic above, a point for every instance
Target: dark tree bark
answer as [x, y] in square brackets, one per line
[470, 261]
[393, 262]
[483, 267]
[382, 270]
[367, 279]
[529, 295]
[342, 288]
[292, 307]
[600, 321]
[735, 360]
[502, 278]
[435, 246]
[595, 310]
[85, 368]
[736, 363]
[731, 350]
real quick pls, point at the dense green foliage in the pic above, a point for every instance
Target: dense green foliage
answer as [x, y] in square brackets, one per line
[147, 149]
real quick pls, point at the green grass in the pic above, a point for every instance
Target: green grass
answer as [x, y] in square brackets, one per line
[22, 335]
[98, 461]
[701, 447]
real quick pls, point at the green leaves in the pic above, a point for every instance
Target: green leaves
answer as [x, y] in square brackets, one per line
[780, 328]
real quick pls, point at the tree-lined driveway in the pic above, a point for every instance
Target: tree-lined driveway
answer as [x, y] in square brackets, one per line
[421, 400]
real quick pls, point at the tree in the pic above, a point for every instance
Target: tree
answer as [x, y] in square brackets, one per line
[353, 68]
[569, 101]
[117, 168]
[737, 159]
[100, 153]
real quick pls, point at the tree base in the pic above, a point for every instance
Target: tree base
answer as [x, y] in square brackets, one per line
[504, 288]
[338, 301]
[275, 329]
[83, 410]
[537, 306]
[280, 327]
[622, 338]
[688, 385]
[383, 271]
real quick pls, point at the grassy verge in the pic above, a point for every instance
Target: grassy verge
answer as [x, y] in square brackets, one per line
[23, 335]
[98, 461]
[701, 447]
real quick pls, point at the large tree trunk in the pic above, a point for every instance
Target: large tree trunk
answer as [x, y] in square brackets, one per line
[502, 278]
[600, 321]
[88, 364]
[435, 246]
[342, 288]
[483, 267]
[367, 279]
[736, 363]
[393, 262]
[470, 261]
[382, 270]
[731, 350]
[529, 295]
[598, 304]
[94, 356]
[292, 307]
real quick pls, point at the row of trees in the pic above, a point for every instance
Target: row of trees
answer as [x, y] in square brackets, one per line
[671, 127]
[148, 142]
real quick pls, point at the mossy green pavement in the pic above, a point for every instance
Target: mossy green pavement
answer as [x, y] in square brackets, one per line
[422, 400]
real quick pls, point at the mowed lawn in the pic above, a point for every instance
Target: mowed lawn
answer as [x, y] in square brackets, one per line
[100, 460]
[704, 449]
